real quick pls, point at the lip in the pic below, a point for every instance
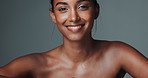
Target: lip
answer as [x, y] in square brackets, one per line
[74, 28]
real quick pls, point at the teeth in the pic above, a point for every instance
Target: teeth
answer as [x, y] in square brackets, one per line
[76, 27]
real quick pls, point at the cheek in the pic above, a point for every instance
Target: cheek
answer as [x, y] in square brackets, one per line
[61, 18]
[88, 16]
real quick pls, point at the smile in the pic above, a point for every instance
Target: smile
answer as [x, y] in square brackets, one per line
[74, 28]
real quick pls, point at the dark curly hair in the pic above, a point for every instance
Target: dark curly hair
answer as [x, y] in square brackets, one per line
[94, 1]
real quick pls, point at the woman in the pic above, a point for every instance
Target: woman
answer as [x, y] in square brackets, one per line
[80, 56]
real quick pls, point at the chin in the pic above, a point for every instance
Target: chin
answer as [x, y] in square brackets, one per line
[75, 38]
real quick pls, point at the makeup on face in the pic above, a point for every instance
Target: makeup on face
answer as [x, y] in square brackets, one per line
[75, 22]
[74, 17]
[62, 5]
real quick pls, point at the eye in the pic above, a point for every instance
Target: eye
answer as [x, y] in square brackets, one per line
[83, 7]
[63, 9]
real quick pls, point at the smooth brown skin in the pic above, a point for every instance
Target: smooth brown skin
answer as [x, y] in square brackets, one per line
[80, 56]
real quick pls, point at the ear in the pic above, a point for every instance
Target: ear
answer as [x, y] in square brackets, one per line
[97, 11]
[52, 15]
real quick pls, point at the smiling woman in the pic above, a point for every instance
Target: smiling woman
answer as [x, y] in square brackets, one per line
[75, 18]
[80, 56]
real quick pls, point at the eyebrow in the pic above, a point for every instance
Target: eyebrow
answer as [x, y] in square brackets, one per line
[82, 1]
[64, 3]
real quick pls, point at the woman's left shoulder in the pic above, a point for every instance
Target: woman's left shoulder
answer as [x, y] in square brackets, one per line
[115, 45]
[129, 58]
[119, 47]
[124, 49]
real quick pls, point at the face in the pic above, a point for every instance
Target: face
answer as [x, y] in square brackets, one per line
[74, 18]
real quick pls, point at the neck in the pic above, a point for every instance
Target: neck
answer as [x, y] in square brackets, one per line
[78, 50]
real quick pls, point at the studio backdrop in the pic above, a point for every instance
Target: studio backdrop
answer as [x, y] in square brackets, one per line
[26, 27]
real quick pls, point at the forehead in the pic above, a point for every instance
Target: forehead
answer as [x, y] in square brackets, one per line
[67, 1]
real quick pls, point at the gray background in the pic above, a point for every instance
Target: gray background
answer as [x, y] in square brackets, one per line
[26, 27]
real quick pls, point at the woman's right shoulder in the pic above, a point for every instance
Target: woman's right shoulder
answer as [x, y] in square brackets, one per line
[21, 65]
[26, 63]
[40, 58]
[28, 59]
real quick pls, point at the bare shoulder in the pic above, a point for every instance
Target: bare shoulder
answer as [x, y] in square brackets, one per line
[125, 50]
[128, 58]
[118, 47]
[54, 53]
[22, 65]
[25, 66]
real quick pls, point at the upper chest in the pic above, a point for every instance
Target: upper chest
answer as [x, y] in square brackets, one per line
[90, 69]
[102, 65]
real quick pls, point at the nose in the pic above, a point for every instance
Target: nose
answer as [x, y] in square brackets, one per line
[74, 16]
